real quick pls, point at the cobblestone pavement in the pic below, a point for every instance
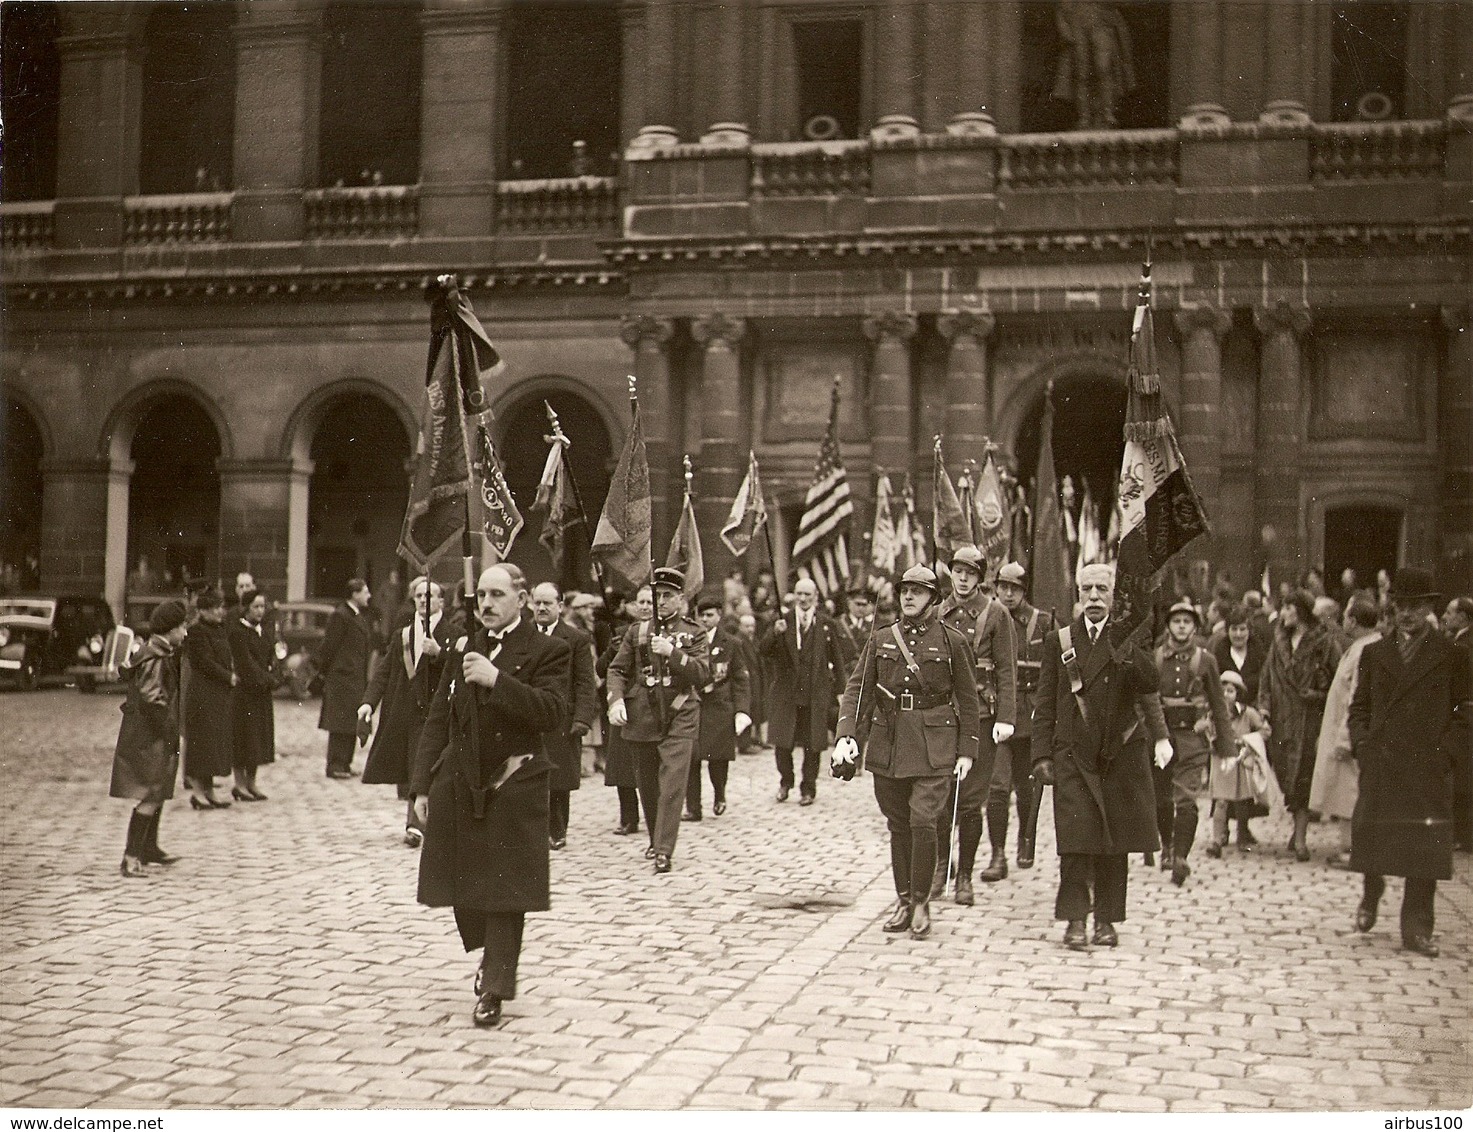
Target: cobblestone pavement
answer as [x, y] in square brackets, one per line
[284, 963]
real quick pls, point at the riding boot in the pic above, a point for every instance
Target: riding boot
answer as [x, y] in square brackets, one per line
[997, 822]
[970, 837]
[148, 850]
[924, 857]
[900, 862]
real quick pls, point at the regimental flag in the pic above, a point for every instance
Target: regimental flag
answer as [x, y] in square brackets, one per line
[1160, 512]
[909, 532]
[1091, 548]
[1020, 538]
[557, 500]
[621, 540]
[948, 519]
[685, 547]
[748, 511]
[1048, 567]
[885, 551]
[994, 521]
[821, 551]
[453, 445]
[1112, 533]
[966, 496]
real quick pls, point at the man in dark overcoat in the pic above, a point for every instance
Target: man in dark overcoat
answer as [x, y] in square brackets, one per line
[1407, 718]
[1012, 770]
[859, 620]
[1098, 704]
[401, 690]
[342, 660]
[725, 710]
[746, 640]
[564, 744]
[480, 782]
[806, 657]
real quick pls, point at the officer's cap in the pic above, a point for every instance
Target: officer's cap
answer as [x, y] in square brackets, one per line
[1185, 606]
[967, 555]
[1013, 574]
[919, 576]
[670, 578]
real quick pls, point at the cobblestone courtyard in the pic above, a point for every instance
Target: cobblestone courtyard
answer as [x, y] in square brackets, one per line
[284, 963]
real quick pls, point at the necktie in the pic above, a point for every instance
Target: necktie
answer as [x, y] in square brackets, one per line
[1094, 633]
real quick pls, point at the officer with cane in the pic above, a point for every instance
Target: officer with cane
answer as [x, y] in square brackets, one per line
[912, 702]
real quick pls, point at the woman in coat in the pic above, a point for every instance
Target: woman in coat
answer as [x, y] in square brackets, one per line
[147, 755]
[207, 703]
[1333, 790]
[1291, 694]
[253, 723]
[1238, 649]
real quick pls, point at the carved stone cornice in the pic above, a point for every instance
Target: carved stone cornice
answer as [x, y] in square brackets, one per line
[638, 330]
[1282, 317]
[890, 324]
[717, 331]
[975, 324]
[1202, 318]
[462, 17]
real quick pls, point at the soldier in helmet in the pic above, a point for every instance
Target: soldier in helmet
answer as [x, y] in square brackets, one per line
[912, 700]
[989, 631]
[655, 683]
[1013, 768]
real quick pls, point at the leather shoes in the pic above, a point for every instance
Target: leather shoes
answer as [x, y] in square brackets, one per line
[1025, 862]
[964, 893]
[783, 792]
[1180, 870]
[1105, 934]
[920, 921]
[1365, 917]
[649, 853]
[487, 1012]
[1166, 861]
[1214, 850]
[900, 917]
[719, 808]
[1075, 937]
[662, 862]
[625, 830]
[997, 868]
[413, 837]
[557, 842]
[806, 799]
[336, 773]
[690, 815]
[1421, 945]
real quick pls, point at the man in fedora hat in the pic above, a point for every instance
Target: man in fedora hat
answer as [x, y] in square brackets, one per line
[1407, 717]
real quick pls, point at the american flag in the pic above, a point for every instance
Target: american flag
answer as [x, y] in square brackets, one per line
[821, 552]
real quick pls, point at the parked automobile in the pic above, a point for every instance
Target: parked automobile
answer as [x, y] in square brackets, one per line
[300, 627]
[49, 636]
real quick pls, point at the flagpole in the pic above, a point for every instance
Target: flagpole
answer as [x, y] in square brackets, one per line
[656, 665]
[559, 437]
[935, 463]
[767, 531]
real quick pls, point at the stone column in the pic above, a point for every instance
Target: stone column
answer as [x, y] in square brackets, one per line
[1455, 452]
[895, 93]
[97, 145]
[892, 446]
[1276, 477]
[1204, 67]
[649, 338]
[730, 126]
[76, 535]
[278, 67]
[263, 507]
[461, 52]
[720, 470]
[657, 131]
[968, 408]
[1289, 32]
[1201, 329]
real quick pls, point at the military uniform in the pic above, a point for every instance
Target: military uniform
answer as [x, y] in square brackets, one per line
[1013, 769]
[913, 716]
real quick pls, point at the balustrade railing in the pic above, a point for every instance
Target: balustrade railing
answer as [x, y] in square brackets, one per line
[562, 204]
[1088, 160]
[1377, 151]
[27, 224]
[374, 212]
[178, 218]
[811, 169]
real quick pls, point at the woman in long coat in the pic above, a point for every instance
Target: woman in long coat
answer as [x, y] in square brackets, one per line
[146, 759]
[1291, 693]
[253, 722]
[207, 703]
[1335, 786]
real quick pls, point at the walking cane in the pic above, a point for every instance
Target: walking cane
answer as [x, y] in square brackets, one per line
[955, 837]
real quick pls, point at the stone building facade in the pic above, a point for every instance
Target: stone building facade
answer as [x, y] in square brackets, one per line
[214, 325]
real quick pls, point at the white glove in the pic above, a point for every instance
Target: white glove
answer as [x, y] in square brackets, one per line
[846, 750]
[422, 809]
[1002, 732]
[743, 721]
[365, 713]
[1163, 753]
[618, 714]
[963, 766]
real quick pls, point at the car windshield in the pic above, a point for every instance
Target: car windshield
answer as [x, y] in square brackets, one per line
[38, 611]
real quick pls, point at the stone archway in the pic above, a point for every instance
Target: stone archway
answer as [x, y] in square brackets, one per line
[23, 447]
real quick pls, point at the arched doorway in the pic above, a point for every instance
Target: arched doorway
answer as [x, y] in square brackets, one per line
[521, 443]
[22, 447]
[173, 497]
[358, 492]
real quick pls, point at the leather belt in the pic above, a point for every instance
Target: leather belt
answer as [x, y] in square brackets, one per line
[910, 701]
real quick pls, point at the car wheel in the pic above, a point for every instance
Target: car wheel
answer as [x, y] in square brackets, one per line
[26, 677]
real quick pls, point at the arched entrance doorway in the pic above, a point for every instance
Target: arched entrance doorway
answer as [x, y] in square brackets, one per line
[357, 496]
[22, 447]
[173, 497]
[521, 443]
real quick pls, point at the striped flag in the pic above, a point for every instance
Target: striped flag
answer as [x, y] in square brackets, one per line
[1160, 512]
[820, 551]
[748, 511]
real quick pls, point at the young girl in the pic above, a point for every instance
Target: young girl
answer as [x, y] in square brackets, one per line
[1229, 780]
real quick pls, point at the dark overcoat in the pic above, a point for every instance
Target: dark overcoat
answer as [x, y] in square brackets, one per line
[813, 679]
[497, 861]
[619, 756]
[146, 759]
[580, 705]
[756, 679]
[1251, 670]
[252, 716]
[1291, 692]
[207, 701]
[1104, 802]
[729, 692]
[401, 691]
[1405, 728]
[342, 660]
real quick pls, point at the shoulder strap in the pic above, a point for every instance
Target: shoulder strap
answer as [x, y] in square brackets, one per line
[1196, 662]
[910, 660]
[1070, 660]
[982, 615]
[1032, 625]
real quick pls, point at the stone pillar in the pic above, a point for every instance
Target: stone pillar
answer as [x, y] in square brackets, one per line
[1201, 329]
[97, 145]
[649, 338]
[895, 94]
[968, 407]
[1276, 477]
[1455, 452]
[892, 447]
[1204, 67]
[461, 53]
[730, 127]
[1287, 53]
[76, 533]
[657, 131]
[975, 75]
[263, 509]
[278, 67]
[631, 84]
[719, 473]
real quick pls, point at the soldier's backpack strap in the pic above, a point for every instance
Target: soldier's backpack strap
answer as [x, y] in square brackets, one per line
[1070, 659]
[1032, 625]
[982, 617]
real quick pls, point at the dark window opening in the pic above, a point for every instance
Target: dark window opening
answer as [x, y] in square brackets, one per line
[1365, 539]
[173, 497]
[563, 76]
[1136, 48]
[30, 100]
[370, 94]
[188, 99]
[22, 486]
[1368, 61]
[829, 61]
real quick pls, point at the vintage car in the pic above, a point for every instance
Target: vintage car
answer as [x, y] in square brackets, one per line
[46, 637]
[300, 627]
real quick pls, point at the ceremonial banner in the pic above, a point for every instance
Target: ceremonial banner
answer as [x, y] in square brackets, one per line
[685, 547]
[621, 541]
[1048, 567]
[820, 551]
[948, 520]
[556, 498]
[994, 523]
[748, 511]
